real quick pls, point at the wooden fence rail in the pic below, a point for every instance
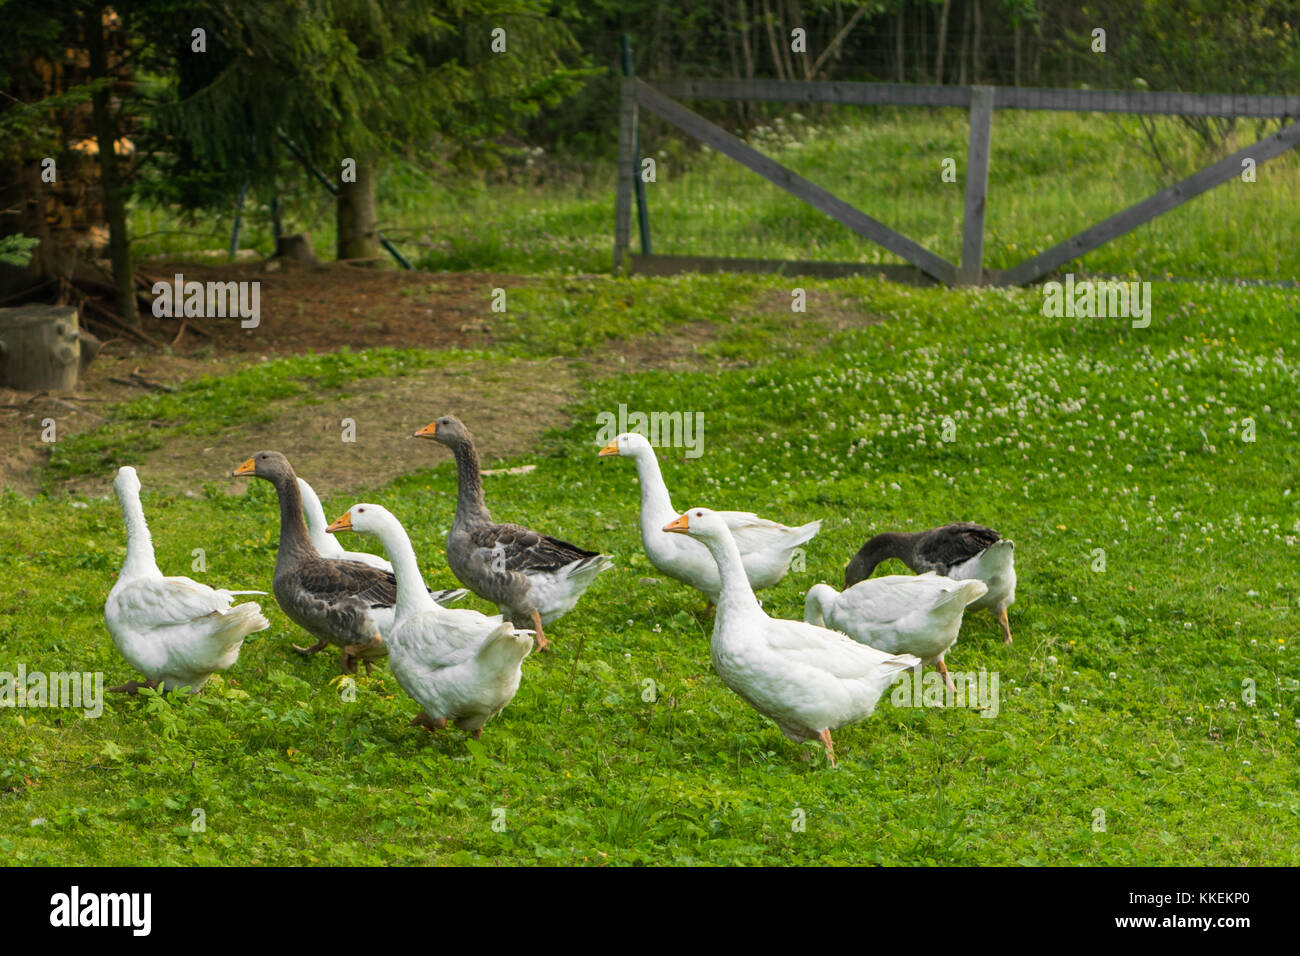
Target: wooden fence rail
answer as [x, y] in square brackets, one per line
[981, 101]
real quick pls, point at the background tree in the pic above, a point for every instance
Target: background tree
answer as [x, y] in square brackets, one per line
[348, 80]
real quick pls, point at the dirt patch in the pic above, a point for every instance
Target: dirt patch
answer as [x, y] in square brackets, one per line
[677, 350]
[836, 311]
[22, 414]
[336, 305]
[302, 310]
[507, 406]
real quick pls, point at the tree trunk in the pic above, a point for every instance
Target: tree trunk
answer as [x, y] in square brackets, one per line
[119, 242]
[898, 46]
[975, 45]
[358, 234]
[1038, 52]
[296, 248]
[965, 38]
[770, 22]
[839, 27]
[943, 40]
[40, 348]
[784, 34]
[746, 30]
[922, 48]
[728, 25]
[1016, 41]
[797, 19]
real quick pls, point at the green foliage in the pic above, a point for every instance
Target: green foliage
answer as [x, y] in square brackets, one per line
[343, 78]
[16, 250]
[32, 130]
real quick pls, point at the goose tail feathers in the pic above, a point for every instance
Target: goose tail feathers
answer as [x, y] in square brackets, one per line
[505, 646]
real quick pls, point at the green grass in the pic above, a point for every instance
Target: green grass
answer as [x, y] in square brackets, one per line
[1052, 175]
[1122, 693]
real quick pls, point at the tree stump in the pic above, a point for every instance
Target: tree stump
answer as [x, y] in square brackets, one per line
[296, 248]
[40, 347]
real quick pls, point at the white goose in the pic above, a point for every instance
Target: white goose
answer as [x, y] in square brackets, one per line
[808, 679]
[327, 544]
[457, 664]
[766, 548]
[175, 631]
[900, 613]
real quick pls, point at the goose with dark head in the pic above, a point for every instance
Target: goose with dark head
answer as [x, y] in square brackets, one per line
[533, 578]
[961, 551]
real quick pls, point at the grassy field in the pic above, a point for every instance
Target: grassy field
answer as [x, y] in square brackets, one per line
[1157, 550]
[1052, 175]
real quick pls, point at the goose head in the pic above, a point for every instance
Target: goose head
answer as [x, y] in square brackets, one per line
[629, 445]
[363, 518]
[127, 482]
[700, 523]
[449, 430]
[819, 597]
[270, 465]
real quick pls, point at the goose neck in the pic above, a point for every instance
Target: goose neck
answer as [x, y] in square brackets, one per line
[140, 558]
[736, 597]
[315, 515]
[469, 482]
[412, 595]
[294, 538]
[814, 608]
[656, 503]
[882, 547]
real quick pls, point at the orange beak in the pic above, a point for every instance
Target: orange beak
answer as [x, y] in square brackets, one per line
[342, 523]
[247, 468]
[610, 449]
[680, 525]
[428, 431]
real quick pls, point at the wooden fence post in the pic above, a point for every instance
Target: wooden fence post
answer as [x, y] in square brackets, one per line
[626, 171]
[638, 183]
[977, 186]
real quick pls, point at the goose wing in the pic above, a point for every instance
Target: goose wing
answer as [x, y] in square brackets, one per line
[753, 533]
[511, 547]
[952, 544]
[894, 596]
[167, 602]
[449, 638]
[828, 651]
[334, 581]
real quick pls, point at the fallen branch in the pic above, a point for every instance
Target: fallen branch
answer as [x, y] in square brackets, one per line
[140, 381]
[25, 292]
[123, 325]
[83, 411]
